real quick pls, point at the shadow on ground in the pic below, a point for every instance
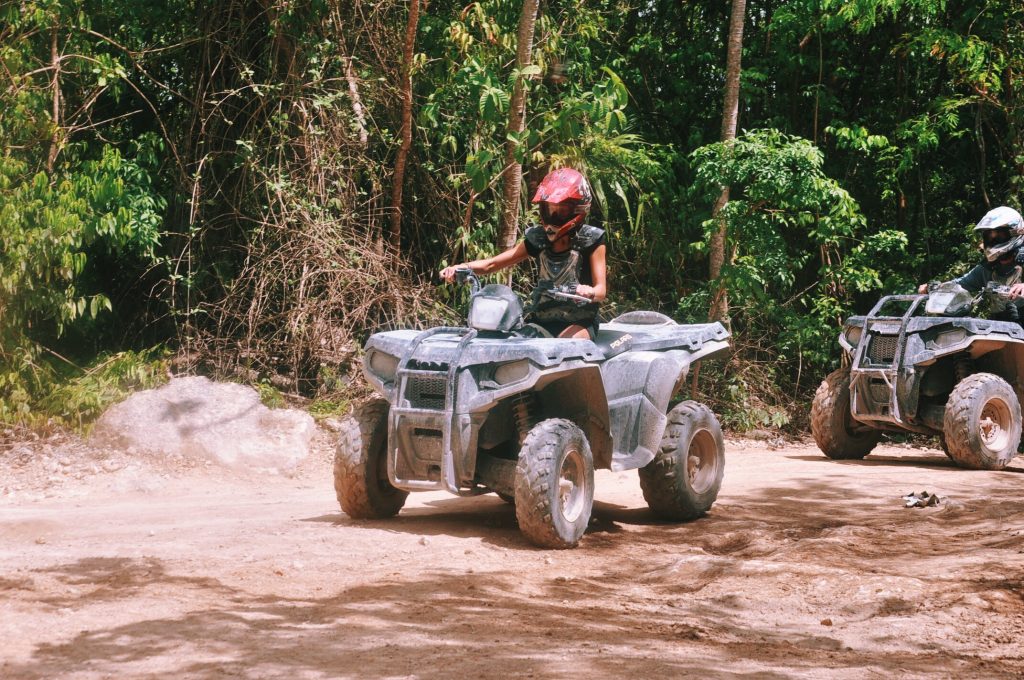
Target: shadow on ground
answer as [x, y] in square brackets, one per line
[646, 613]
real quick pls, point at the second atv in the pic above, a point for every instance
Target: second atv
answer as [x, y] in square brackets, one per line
[929, 364]
[493, 407]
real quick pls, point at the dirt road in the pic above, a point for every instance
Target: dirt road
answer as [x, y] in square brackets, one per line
[804, 568]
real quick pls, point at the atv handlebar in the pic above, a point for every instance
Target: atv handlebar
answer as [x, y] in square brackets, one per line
[464, 274]
[568, 296]
[564, 292]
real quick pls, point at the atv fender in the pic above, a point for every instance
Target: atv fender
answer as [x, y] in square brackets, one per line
[640, 386]
[579, 396]
[572, 390]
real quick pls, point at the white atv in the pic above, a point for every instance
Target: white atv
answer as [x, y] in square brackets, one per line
[929, 364]
[493, 407]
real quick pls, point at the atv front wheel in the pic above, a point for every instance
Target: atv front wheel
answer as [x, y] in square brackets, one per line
[835, 431]
[554, 484]
[683, 480]
[982, 424]
[361, 465]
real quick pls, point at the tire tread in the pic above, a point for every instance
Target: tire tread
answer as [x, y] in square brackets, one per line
[537, 458]
[351, 485]
[957, 423]
[835, 441]
[659, 479]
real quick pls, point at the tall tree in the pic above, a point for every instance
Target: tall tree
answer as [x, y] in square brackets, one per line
[730, 113]
[513, 169]
[406, 132]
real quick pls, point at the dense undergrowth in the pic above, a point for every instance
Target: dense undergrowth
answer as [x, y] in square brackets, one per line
[217, 179]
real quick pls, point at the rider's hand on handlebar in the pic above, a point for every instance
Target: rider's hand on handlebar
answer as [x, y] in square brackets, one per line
[585, 291]
[1016, 290]
[923, 288]
[448, 273]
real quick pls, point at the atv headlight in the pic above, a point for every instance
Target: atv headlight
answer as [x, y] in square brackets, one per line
[511, 372]
[949, 338]
[486, 313]
[382, 365]
[853, 334]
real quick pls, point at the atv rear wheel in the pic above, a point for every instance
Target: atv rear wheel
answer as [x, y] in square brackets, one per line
[361, 465]
[683, 480]
[835, 431]
[554, 484]
[982, 424]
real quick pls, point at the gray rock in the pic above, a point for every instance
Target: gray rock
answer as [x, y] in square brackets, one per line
[196, 418]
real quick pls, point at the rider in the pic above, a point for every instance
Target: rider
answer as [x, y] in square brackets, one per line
[1002, 235]
[569, 253]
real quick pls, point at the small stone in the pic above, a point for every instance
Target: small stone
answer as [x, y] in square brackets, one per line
[423, 540]
[40, 541]
[826, 622]
[332, 424]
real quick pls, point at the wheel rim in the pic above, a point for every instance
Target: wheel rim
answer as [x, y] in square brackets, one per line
[702, 461]
[994, 424]
[572, 483]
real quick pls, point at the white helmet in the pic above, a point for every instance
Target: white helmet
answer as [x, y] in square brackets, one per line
[1002, 217]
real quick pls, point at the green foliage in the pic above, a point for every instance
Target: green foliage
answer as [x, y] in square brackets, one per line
[270, 396]
[330, 406]
[224, 181]
[577, 112]
[77, 399]
[65, 196]
[795, 242]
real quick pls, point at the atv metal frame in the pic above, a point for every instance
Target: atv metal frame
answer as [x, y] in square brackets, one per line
[904, 370]
[895, 356]
[453, 394]
[471, 411]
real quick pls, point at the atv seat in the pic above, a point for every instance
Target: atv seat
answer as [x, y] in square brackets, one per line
[613, 342]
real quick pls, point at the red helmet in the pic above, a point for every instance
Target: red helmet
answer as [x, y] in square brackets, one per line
[564, 197]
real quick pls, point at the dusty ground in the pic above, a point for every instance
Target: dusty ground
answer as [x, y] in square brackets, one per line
[111, 566]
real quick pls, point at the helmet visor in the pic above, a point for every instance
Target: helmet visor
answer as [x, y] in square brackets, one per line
[996, 237]
[1000, 243]
[556, 214]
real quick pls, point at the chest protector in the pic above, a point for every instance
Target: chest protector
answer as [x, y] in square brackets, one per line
[566, 269]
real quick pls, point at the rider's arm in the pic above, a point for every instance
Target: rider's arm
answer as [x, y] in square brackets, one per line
[489, 265]
[975, 279]
[599, 272]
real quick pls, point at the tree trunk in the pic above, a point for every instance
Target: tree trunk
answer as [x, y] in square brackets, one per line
[51, 158]
[357, 103]
[730, 112]
[406, 132]
[513, 170]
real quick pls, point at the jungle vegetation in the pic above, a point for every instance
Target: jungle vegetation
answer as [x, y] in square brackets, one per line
[248, 188]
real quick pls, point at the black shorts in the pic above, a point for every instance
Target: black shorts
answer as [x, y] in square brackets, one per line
[555, 328]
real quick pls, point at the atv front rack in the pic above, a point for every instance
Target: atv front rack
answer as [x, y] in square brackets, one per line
[421, 420]
[878, 360]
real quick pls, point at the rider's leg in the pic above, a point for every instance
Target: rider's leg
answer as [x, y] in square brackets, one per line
[575, 331]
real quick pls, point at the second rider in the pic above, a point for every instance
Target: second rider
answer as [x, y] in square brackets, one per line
[570, 256]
